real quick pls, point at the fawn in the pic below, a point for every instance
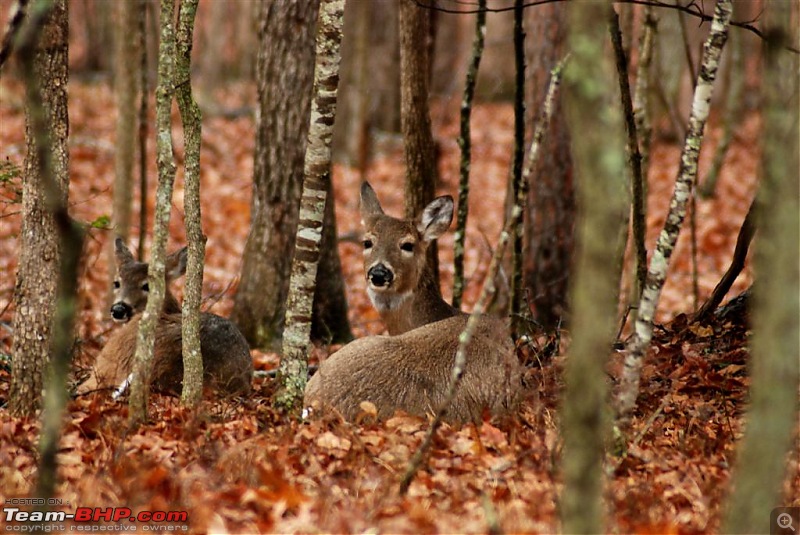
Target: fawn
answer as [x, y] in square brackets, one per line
[410, 369]
[227, 365]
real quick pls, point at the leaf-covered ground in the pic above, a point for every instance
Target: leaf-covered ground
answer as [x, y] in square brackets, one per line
[236, 466]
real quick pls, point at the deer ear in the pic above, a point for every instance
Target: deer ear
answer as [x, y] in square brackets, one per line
[369, 202]
[436, 218]
[122, 254]
[176, 264]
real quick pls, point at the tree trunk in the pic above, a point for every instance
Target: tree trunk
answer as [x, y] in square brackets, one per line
[385, 65]
[687, 174]
[600, 169]
[518, 189]
[420, 150]
[293, 370]
[284, 78]
[51, 20]
[126, 84]
[37, 274]
[351, 132]
[329, 322]
[285, 83]
[550, 212]
[775, 360]
[465, 144]
[192, 390]
[145, 341]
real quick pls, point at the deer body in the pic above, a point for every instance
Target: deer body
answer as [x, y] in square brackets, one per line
[410, 369]
[227, 365]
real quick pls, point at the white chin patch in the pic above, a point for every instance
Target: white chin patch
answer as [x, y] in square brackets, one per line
[383, 301]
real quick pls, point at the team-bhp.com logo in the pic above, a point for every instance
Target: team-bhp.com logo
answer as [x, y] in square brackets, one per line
[95, 519]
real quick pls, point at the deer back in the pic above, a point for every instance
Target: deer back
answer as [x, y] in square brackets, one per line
[411, 372]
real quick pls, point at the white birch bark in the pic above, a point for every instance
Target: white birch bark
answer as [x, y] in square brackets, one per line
[293, 369]
[687, 174]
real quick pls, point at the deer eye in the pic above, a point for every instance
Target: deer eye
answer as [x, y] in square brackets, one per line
[116, 285]
[407, 246]
[367, 244]
[145, 287]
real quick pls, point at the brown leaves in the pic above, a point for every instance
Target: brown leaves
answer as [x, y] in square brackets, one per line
[236, 466]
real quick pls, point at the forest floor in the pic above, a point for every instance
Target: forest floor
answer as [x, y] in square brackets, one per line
[236, 466]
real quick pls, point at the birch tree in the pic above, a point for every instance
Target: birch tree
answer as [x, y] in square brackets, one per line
[687, 174]
[293, 369]
[285, 82]
[165, 92]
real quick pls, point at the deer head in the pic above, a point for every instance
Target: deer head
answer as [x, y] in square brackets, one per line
[131, 286]
[395, 262]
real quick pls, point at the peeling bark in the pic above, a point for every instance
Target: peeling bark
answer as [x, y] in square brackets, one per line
[293, 369]
[687, 174]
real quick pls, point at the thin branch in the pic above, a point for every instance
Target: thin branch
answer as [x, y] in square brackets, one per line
[638, 222]
[519, 186]
[696, 12]
[465, 144]
[737, 264]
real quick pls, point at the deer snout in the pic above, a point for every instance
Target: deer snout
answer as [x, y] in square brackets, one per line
[380, 276]
[121, 312]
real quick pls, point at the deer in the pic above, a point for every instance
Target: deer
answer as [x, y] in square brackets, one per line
[410, 368]
[227, 365]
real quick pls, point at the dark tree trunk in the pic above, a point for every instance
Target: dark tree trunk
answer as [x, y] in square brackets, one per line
[37, 274]
[550, 218]
[284, 76]
[285, 81]
[420, 151]
[384, 67]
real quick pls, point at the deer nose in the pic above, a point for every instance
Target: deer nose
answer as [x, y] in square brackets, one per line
[121, 312]
[379, 275]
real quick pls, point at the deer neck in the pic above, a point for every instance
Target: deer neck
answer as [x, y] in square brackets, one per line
[403, 312]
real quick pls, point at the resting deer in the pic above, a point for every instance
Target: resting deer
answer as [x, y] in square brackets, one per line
[227, 365]
[410, 369]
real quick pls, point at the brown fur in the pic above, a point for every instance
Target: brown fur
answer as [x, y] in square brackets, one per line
[411, 372]
[411, 369]
[227, 365]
